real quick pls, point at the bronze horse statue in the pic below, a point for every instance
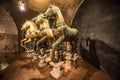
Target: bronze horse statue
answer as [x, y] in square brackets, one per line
[45, 31]
[44, 35]
[61, 31]
[31, 33]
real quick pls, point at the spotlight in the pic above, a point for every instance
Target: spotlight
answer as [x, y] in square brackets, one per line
[21, 6]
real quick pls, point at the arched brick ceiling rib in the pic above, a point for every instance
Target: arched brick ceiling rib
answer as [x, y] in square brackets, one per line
[34, 7]
[68, 7]
[6, 22]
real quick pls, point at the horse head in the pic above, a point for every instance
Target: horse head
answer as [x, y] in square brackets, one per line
[26, 25]
[42, 22]
[40, 19]
[51, 11]
[55, 13]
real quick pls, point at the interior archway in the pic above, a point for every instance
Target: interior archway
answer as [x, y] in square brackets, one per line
[8, 33]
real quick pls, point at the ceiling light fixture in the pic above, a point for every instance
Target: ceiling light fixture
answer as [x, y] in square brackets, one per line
[21, 6]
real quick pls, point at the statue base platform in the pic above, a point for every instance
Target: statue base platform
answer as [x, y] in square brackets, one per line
[30, 53]
[41, 60]
[55, 74]
[56, 71]
[41, 65]
[34, 57]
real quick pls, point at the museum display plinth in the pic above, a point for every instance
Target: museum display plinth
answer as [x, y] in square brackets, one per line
[41, 61]
[56, 71]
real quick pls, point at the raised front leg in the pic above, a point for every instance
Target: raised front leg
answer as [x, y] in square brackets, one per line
[54, 45]
[29, 40]
[22, 43]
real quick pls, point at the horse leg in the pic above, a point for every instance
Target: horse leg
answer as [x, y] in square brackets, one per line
[74, 45]
[72, 48]
[54, 45]
[22, 43]
[38, 42]
[29, 40]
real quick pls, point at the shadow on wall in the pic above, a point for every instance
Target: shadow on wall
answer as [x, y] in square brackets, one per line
[88, 51]
[101, 56]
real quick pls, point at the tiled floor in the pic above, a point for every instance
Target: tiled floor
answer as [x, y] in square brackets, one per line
[21, 68]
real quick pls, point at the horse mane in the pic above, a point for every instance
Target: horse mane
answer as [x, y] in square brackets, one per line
[51, 5]
[56, 8]
[30, 22]
[41, 14]
[34, 24]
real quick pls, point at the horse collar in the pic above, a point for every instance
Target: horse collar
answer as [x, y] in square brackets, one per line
[58, 24]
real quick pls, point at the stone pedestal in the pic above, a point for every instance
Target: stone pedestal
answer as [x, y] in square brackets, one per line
[34, 57]
[56, 72]
[74, 60]
[48, 58]
[68, 63]
[29, 53]
[41, 60]
[68, 46]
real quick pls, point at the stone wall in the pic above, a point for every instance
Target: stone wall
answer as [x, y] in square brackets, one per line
[8, 33]
[100, 21]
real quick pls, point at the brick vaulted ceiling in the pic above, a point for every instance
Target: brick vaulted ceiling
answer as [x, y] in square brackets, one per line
[34, 7]
[68, 7]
